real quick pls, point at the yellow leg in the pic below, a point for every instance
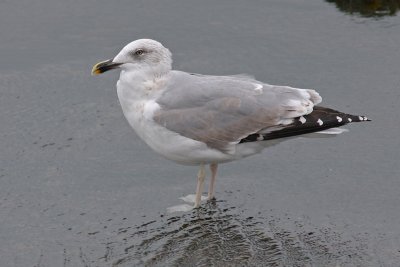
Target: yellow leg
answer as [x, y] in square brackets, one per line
[211, 189]
[200, 184]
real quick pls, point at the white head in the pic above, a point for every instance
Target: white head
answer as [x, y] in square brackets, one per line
[141, 55]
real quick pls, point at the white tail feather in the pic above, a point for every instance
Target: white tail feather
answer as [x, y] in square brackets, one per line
[333, 131]
[326, 133]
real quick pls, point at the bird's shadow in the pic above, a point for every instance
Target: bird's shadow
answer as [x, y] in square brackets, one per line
[220, 235]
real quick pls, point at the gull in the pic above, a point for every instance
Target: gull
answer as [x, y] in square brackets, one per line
[201, 120]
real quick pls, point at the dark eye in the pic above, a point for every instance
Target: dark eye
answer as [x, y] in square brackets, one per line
[139, 52]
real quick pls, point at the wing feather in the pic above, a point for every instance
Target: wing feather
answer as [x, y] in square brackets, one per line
[222, 110]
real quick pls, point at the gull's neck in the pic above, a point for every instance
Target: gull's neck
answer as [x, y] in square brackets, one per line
[143, 83]
[141, 73]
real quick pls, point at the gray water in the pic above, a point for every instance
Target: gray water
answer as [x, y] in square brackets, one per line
[78, 187]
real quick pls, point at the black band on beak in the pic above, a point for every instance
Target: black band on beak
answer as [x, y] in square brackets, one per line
[104, 66]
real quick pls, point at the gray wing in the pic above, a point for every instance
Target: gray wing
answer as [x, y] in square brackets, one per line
[221, 110]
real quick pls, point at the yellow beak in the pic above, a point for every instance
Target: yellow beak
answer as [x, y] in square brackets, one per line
[104, 66]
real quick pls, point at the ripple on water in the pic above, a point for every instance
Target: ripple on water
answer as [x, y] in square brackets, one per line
[217, 235]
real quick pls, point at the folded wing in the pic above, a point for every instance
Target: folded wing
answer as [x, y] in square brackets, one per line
[225, 110]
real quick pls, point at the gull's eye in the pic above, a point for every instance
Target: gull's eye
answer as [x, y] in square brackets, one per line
[139, 52]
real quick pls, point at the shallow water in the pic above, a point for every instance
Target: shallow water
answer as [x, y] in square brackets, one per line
[78, 188]
[221, 235]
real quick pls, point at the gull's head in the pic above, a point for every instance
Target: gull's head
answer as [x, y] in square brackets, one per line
[140, 55]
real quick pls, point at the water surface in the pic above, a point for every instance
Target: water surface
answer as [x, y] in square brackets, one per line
[78, 187]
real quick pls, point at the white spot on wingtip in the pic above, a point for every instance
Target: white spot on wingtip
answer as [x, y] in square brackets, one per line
[350, 120]
[302, 120]
[339, 119]
[320, 122]
[260, 137]
[360, 118]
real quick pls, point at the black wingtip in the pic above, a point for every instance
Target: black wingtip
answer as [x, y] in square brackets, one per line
[320, 119]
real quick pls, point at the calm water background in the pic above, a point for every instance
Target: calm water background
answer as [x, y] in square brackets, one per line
[78, 187]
